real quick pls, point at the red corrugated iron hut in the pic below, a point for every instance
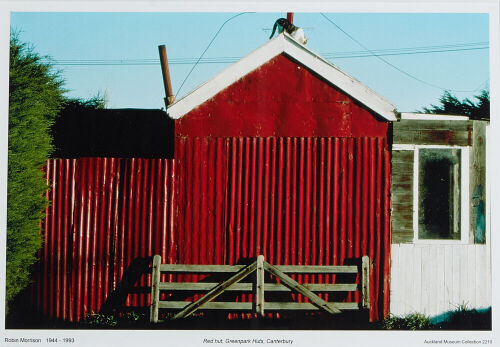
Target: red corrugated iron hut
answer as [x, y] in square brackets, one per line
[285, 155]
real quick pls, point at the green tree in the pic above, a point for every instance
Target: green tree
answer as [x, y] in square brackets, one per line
[35, 98]
[450, 104]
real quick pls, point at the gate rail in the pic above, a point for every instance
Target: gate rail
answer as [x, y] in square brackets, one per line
[260, 266]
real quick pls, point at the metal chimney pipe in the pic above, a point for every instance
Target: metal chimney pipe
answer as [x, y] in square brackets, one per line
[289, 17]
[170, 98]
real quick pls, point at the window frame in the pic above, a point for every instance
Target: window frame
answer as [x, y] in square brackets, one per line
[464, 195]
[464, 192]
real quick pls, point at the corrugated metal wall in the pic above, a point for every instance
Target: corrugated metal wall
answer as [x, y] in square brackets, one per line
[315, 201]
[106, 216]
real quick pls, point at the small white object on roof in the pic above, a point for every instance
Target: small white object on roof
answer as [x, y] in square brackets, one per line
[284, 44]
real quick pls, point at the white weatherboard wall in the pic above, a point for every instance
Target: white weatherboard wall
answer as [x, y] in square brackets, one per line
[433, 279]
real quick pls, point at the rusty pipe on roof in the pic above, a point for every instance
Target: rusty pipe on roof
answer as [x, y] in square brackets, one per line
[169, 94]
[289, 17]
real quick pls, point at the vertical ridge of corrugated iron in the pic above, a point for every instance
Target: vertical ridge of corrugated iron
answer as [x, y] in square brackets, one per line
[294, 200]
[106, 214]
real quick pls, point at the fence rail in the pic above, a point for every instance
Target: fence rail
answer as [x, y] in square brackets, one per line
[259, 287]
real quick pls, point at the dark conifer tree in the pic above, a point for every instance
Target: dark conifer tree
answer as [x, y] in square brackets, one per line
[450, 104]
[35, 97]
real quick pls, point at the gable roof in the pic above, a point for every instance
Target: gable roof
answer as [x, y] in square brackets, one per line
[284, 44]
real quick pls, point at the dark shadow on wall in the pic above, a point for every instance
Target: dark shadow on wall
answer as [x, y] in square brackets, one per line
[124, 133]
[115, 301]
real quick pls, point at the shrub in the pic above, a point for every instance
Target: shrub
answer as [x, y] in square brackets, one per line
[35, 97]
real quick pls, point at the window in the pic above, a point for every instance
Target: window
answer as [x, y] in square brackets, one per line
[440, 194]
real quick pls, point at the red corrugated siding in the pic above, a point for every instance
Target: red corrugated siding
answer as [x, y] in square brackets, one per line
[326, 203]
[105, 213]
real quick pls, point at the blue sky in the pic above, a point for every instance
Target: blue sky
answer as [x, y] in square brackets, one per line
[129, 36]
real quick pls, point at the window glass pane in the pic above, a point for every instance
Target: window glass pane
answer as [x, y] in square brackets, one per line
[439, 194]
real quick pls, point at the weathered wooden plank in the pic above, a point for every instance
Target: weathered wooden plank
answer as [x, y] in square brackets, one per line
[483, 276]
[319, 269]
[403, 161]
[185, 268]
[214, 305]
[401, 186]
[295, 286]
[461, 267]
[456, 274]
[400, 164]
[427, 266]
[430, 137]
[415, 125]
[402, 224]
[403, 216]
[401, 200]
[471, 275]
[403, 209]
[401, 170]
[440, 276]
[395, 292]
[448, 274]
[401, 167]
[407, 177]
[246, 306]
[155, 289]
[401, 174]
[270, 306]
[259, 297]
[403, 232]
[402, 155]
[477, 183]
[191, 268]
[405, 276]
[402, 238]
[212, 294]
[403, 204]
[246, 287]
[365, 282]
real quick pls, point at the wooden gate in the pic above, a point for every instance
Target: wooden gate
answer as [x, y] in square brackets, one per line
[258, 286]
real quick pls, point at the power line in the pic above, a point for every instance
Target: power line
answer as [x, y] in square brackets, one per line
[389, 63]
[226, 60]
[201, 56]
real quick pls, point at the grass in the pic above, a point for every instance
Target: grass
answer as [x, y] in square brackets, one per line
[462, 318]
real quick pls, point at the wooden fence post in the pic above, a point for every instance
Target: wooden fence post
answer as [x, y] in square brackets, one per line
[259, 297]
[155, 289]
[365, 282]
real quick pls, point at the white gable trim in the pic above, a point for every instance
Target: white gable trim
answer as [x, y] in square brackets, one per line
[283, 43]
[426, 116]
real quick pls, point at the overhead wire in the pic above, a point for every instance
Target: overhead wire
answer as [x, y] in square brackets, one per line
[389, 63]
[328, 55]
[206, 49]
